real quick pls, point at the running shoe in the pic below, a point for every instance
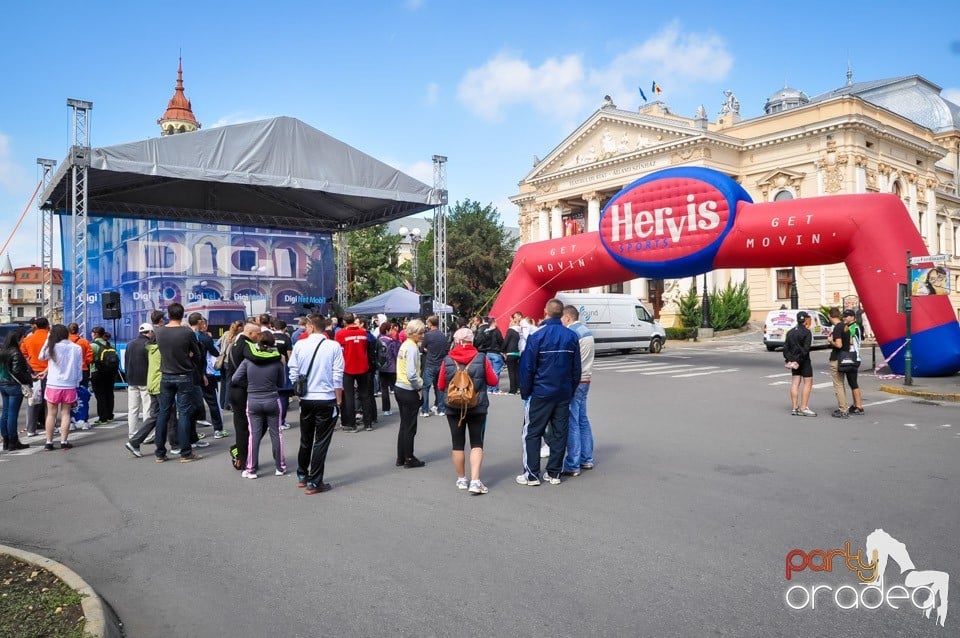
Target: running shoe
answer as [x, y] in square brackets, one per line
[462, 483]
[476, 487]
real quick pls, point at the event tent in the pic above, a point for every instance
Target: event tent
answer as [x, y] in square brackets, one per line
[277, 173]
[394, 303]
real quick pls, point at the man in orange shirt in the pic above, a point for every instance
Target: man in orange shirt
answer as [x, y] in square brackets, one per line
[75, 337]
[30, 347]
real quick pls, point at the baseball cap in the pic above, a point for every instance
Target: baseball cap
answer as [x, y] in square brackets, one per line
[802, 316]
[849, 312]
[146, 327]
[463, 334]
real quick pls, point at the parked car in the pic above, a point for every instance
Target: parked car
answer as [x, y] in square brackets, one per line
[778, 322]
[618, 322]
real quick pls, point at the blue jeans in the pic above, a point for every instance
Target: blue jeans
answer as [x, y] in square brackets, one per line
[496, 362]
[579, 434]
[12, 400]
[430, 376]
[179, 388]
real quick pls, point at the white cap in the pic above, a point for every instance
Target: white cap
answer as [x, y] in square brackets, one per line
[146, 327]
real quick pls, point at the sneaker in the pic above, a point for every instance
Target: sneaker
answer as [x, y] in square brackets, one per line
[388, 413]
[413, 462]
[102, 421]
[425, 415]
[523, 480]
[301, 480]
[368, 428]
[552, 480]
[190, 458]
[857, 411]
[839, 414]
[570, 473]
[476, 487]
[351, 430]
[219, 434]
[435, 411]
[202, 444]
[462, 483]
[280, 473]
[795, 412]
[285, 426]
[316, 488]
[66, 445]
[175, 450]
[48, 447]
[160, 459]
[150, 439]
[83, 425]
[133, 449]
[204, 424]
[201, 435]
[586, 466]
[249, 475]
[28, 435]
[544, 451]
[806, 412]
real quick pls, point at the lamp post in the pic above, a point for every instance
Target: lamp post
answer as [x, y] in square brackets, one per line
[794, 296]
[705, 306]
[415, 238]
[257, 271]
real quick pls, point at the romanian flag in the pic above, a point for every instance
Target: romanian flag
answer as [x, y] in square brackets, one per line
[641, 94]
[655, 89]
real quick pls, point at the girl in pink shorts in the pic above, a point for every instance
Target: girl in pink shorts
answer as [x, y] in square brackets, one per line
[64, 372]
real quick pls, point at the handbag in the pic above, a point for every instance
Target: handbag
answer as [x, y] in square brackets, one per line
[300, 385]
[848, 361]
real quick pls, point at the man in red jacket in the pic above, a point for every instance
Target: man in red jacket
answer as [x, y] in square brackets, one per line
[356, 366]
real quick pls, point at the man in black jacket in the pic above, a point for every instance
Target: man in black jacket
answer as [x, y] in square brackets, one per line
[135, 369]
[796, 349]
[490, 342]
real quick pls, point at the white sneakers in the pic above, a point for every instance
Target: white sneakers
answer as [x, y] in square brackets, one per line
[544, 451]
[249, 475]
[462, 483]
[523, 480]
[476, 487]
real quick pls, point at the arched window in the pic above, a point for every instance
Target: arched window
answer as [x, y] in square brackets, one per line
[782, 196]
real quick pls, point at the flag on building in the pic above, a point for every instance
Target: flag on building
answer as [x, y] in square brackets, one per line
[641, 94]
[655, 89]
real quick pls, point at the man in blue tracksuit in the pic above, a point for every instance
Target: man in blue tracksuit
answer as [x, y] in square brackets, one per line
[549, 376]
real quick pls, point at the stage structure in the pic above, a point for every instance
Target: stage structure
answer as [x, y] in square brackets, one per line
[253, 178]
[685, 221]
[440, 240]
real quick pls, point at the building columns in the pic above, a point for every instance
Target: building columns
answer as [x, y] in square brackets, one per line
[556, 220]
[543, 225]
[593, 211]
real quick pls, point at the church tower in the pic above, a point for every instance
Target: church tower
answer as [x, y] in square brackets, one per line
[178, 118]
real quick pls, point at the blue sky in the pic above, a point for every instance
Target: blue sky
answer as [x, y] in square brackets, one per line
[488, 84]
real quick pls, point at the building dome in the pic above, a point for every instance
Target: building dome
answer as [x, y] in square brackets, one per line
[785, 98]
[178, 118]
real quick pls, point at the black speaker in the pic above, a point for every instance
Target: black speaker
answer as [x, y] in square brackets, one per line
[110, 305]
[426, 306]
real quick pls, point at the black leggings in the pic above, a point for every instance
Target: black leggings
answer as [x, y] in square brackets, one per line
[852, 379]
[474, 423]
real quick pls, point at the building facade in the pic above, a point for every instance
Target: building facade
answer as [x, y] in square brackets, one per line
[889, 136]
[20, 293]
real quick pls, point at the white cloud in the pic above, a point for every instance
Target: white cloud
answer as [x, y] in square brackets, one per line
[421, 170]
[554, 88]
[432, 96]
[12, 176]
[952, 94]
[561, 87]
[413, 5]
[236, 118]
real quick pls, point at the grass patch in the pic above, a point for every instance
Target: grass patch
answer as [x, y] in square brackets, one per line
[34, 602]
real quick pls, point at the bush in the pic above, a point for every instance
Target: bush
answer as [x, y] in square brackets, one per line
[730, 308]
[690, 313]
[681, 334]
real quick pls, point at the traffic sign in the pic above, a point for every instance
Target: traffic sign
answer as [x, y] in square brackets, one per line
[929, 259]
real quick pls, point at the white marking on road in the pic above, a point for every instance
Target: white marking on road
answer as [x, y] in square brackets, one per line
[697, 374]
[867, 405]
[945, 425]
[672, 370]
[655, 366]
[823, 385]
[781, 374]
[779, 383]
[910, 425]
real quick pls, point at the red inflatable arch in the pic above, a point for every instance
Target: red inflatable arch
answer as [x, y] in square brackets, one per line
[686, 221]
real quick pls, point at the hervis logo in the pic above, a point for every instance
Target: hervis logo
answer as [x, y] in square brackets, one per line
[670, 223]
[923, 589]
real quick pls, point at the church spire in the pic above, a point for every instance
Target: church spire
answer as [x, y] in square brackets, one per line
[178, 118]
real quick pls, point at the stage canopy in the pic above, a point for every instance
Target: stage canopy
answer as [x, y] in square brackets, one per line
[395, 302]
[278, 173]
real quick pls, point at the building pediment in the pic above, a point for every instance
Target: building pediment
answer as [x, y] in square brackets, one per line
[608, 134]
[781, 179]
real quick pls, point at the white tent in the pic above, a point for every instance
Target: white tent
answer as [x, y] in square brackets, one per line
[394, 303]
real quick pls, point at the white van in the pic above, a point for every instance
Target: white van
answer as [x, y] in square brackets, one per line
[778, 322]
[618, 322]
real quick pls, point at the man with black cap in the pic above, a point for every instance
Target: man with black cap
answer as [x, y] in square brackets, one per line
[135, 362]
[845, 334]
[796, 350]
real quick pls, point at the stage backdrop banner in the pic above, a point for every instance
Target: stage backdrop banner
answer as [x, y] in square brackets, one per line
[224, 272]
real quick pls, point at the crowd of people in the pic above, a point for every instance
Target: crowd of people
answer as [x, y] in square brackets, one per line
[176, 375]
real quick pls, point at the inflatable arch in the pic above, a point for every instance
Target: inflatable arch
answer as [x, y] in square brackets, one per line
[685, 221]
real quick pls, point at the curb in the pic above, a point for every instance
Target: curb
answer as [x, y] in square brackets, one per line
[96, 624]
[924, 394]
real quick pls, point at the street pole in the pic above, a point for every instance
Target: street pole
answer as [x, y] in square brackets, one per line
[705, 323]
[794, 296]
[908, 351]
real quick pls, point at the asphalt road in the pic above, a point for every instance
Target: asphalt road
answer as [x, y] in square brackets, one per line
[704, 482]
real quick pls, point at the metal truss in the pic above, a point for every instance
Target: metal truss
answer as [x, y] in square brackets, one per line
[80, 166]
[440, 236]
[46, 242]
[341, 239]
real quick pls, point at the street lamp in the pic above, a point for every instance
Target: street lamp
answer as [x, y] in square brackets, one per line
[794, 296]
[705, 306]
[415, 238]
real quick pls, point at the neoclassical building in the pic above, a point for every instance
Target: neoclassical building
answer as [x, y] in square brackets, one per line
[887, 136]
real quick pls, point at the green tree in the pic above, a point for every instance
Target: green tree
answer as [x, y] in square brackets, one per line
[479, 254]
[730, 308]
[690, 313]
[372, 262]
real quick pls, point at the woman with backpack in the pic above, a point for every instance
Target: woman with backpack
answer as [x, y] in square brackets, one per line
[14, 376]
[64, 372]
[387, 350]
[461, 418]
[103, 373]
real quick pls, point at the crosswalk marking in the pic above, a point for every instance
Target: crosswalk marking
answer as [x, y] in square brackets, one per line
[671, 370]
[867, 405]
[697, 374]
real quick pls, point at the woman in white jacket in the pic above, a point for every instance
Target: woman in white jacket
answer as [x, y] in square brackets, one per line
[64, 373]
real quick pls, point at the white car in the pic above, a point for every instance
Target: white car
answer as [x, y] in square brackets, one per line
[778, 322]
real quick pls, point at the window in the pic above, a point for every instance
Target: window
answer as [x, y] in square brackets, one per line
[941, 239]
[20, 315]
[921, 222]
[642, 315]
[783, 283]
[782, 196]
